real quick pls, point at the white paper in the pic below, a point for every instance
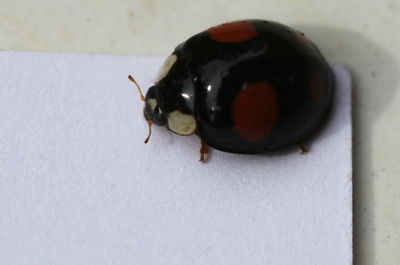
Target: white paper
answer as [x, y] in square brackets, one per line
[79, 186]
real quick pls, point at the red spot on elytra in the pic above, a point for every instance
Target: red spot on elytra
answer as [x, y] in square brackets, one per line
[255, 111]
[236, 31]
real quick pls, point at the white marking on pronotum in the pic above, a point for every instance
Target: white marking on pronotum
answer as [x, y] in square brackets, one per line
[153, 103]
[168, 63]
[180, 123]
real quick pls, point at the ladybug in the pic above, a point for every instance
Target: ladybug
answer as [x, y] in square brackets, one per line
[246, 87]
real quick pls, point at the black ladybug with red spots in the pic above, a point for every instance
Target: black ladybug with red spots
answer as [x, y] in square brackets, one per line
[246, 87]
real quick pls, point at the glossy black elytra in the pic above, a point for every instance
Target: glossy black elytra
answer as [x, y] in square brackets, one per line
[247, 87]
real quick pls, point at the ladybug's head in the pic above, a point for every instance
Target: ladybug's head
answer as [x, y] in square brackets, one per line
[152, 111]
[170, 89]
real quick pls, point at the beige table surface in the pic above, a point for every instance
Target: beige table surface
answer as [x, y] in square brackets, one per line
[362, 34]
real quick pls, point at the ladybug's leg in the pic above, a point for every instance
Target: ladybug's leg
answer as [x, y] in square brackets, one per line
[203, 152]
[303, 148]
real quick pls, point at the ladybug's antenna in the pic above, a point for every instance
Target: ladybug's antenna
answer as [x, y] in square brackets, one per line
[143, 98]
[149, 122]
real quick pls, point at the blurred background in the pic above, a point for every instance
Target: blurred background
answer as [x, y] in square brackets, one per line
[363, 34]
